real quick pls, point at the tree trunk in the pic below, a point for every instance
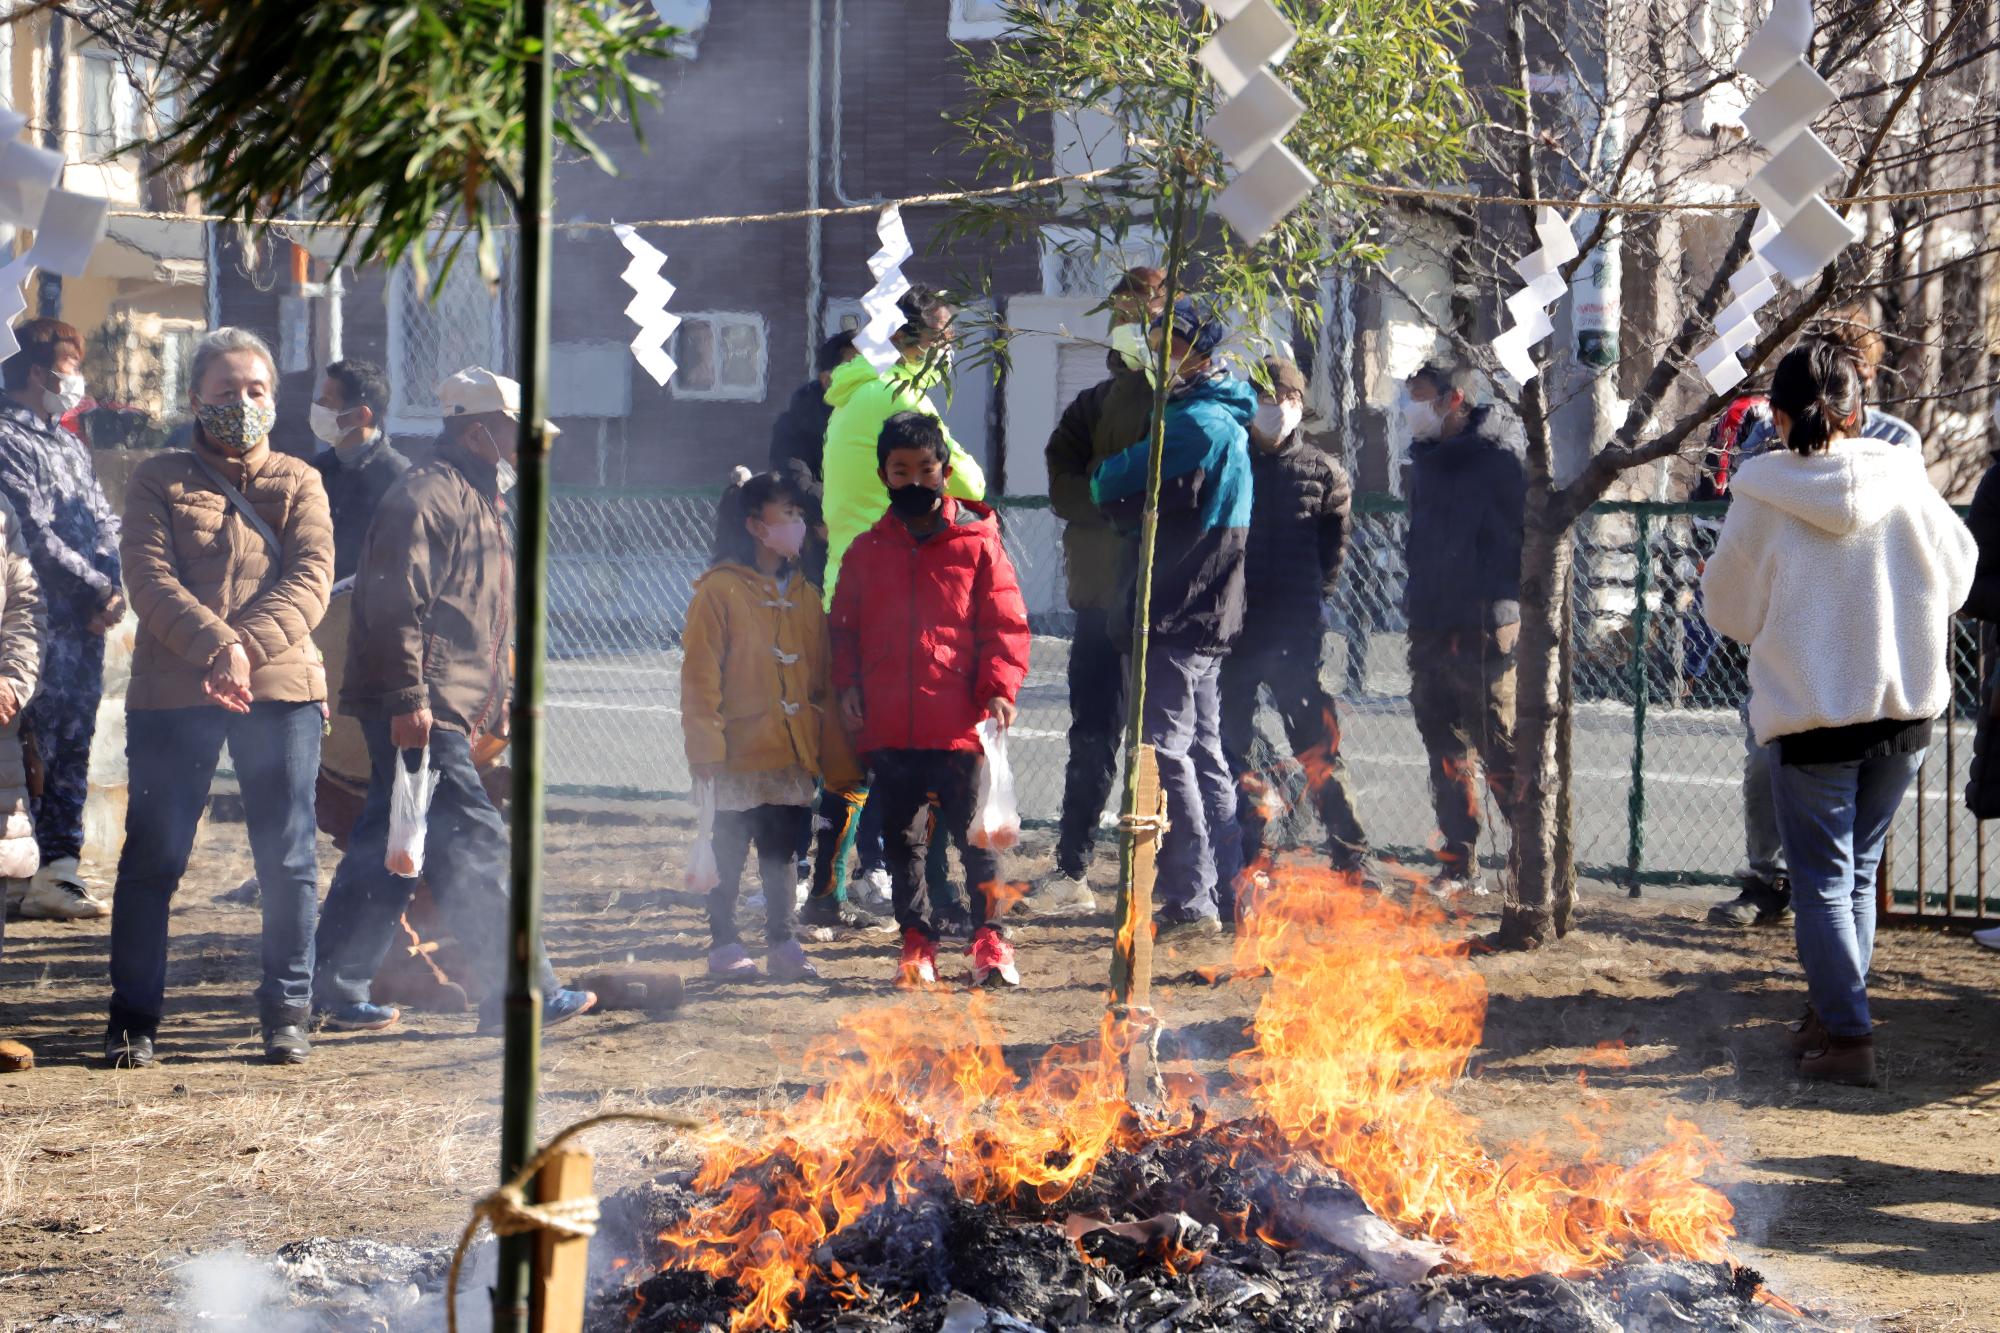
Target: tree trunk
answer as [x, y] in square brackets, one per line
[1541, 888]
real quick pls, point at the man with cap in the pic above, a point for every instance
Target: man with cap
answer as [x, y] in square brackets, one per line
[1195, 612]
[428, 670]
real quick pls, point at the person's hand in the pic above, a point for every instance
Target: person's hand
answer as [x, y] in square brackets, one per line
[10, 703]
[704, 772]
[108, 615]
[850, 708]
[1001, 711]
[411, 731]
[228, 679]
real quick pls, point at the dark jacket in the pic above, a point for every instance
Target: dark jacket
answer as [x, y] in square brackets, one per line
[1467, 497]
[434, 600]
[1300, 497]
[800, 430]
[1099, 422]
[353, 491]
[929, 630]
[1197, 598]
[1983, 518]
[66, 523]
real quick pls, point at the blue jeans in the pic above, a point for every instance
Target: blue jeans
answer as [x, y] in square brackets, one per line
[171, 754]
[1202, 851]
[465, 863]
[1833, 818]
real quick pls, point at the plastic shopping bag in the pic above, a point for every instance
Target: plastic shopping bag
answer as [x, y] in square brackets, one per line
[996, 820]
[409, 807]
[701, 872]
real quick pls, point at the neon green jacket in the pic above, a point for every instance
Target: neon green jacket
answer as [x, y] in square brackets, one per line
[855, 497]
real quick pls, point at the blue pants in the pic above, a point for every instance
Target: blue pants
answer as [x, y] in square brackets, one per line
[62, 717]
[1763, 850]
[465, 863]
[1833, 818]
[1202, 851]
[171, 754]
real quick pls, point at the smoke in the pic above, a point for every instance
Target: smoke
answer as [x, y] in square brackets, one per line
[230, 1289]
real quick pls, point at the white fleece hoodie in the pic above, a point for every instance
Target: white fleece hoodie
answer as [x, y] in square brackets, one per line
[1841, 571]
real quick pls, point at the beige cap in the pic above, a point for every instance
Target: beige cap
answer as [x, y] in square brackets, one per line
[477, 390]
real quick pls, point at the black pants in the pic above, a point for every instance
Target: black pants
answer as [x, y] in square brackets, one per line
[776, 830]
[1312, 729]
[924, 793]
[1097, 724]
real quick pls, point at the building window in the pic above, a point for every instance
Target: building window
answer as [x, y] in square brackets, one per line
[720, 355]
[978, 20]
[1077, 262]
[467, 325]
[111, 105]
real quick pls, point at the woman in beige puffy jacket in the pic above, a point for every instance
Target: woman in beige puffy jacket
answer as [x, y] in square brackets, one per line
[20, 671]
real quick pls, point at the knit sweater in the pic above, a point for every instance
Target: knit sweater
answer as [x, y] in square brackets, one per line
[1841, 572]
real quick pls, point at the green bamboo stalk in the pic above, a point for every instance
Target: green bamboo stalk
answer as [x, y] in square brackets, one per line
[1123, 976]
[521, 1066]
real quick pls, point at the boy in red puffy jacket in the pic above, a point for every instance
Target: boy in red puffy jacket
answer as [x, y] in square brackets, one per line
[930, 636]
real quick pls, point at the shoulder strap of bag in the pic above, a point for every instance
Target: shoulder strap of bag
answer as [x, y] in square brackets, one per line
[235, 497]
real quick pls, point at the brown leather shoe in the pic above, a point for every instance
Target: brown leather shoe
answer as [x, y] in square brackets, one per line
[1808, 1033]
[1841, 1060]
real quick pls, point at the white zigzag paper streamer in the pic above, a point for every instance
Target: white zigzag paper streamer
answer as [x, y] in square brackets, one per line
[1270, 180]
[1798, 233]
[874, 339]
[648, 309]
[67, 225]
[1541, 270]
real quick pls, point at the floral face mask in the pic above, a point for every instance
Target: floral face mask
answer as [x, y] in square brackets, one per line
[238, 427]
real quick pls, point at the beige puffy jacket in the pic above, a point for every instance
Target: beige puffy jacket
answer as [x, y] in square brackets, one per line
[21, 629]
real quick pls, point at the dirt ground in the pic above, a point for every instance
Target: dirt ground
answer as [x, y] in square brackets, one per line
[1883, 1206]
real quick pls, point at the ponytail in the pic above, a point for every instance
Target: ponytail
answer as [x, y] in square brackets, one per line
[1818, 385]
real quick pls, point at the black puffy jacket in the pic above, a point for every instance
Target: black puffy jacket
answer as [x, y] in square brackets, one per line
[1468, 497]
[800, 430]
[1299, 518]
[354, 492]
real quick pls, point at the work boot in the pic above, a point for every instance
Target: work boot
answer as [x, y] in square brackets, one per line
[1183, 927]
[128, 1050]
[286, 1044]
[992, 958]
[1763, 902]
[1059, 895]
[1838, 1059]
[1808, 1033]
[787, 961]
[58, 893]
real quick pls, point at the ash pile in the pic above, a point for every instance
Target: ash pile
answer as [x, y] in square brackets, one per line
[1195, 1232]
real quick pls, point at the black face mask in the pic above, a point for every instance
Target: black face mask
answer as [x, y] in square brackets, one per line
[914, 500]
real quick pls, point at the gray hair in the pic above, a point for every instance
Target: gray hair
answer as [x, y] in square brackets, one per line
[223, 341]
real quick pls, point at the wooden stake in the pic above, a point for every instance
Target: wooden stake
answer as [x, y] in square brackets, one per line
[562, 1263]
[1141, 1072]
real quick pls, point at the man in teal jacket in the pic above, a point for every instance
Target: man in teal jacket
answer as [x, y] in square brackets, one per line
[862, 399]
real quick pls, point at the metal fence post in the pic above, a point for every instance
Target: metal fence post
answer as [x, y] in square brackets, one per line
[1642, 578]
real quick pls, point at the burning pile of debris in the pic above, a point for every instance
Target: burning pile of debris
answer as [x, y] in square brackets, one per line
[923, 1185]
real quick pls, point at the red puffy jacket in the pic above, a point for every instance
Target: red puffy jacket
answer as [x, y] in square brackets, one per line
[928, 630]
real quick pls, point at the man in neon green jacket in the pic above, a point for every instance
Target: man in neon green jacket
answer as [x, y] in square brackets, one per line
[862, 400]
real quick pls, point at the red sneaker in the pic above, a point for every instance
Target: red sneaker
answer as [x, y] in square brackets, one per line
[919, 965]
[992, 957]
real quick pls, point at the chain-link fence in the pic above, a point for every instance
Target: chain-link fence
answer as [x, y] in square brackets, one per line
[1658, 736]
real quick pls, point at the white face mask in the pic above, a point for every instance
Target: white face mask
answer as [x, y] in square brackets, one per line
[506, 477]
[1275, 422]
[326, 424]
[1422, 414]
[65, 398]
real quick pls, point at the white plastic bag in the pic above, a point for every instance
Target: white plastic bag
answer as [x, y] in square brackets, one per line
[409, 808]
[701, 872]
[996, 819]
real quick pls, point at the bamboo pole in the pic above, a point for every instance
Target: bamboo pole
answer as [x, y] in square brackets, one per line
[520, 1071]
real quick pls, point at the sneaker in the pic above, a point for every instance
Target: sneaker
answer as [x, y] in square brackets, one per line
[1173, 927]
[58, 893]
[1988, 938]
[567, 1004]
[919, 962]
[1458, 883]
[873, 891]
[286, 1044]
[128, 1050]
[992, 956]
[1762, 902]
[731, 960]
[1059, 895]
[788, 962]
[833, 914]
[1849, 1060]
[246, 894]
[360, 1016]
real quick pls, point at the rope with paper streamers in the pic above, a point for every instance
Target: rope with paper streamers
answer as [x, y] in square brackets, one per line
[507, 1210]
[875, 339]
[1541, 270]
[67, 225]
[648, 309]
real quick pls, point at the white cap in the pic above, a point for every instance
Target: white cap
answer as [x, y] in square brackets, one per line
[477, 390]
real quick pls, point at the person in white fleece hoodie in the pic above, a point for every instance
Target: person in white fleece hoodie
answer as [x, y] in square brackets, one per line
[1840, 566]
